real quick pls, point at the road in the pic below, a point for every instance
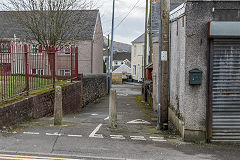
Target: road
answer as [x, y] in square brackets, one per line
[87, 136]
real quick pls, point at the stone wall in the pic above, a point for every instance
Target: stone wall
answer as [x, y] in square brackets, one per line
[75, 96]
[148, 87]
[94, 87]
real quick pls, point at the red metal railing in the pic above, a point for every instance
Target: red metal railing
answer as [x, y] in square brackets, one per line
[25, 67]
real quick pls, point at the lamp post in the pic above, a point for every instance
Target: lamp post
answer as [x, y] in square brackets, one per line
[112, 33]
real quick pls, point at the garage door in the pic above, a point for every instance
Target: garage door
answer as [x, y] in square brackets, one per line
[226, 90]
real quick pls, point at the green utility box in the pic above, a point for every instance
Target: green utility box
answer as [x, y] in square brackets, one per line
[195, 76]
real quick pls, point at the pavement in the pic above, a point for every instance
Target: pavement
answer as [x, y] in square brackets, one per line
[86, 135]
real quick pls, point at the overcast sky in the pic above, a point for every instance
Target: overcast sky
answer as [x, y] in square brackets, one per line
[131, 27]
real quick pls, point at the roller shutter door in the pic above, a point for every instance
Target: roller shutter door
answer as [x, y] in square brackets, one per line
[225, 90]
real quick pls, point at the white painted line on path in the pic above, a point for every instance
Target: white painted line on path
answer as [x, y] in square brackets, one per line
[106, 118]
[32, 133]
[141, 138]
[122, 94]
[158, 139]
[117, 137]
[54, 134]
[94, 114]
[94, 135]
[71, 135]
[138, 121]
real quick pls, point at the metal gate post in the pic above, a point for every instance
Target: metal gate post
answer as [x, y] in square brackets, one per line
[26, 69]
[53, 50]
[76, 62]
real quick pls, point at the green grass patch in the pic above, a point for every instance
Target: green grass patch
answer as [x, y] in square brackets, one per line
[39, 91]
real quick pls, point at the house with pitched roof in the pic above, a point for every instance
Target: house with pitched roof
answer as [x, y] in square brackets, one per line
[120, 58]
[89, 40]
[137, 58]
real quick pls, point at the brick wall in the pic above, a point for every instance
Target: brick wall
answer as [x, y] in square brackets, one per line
[75, 96]
[94, 87]
[15, 113]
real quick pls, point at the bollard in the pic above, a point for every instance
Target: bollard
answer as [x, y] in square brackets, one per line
[58, 106]
[113, 108]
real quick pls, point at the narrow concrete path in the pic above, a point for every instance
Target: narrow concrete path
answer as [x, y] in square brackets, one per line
[87, 134]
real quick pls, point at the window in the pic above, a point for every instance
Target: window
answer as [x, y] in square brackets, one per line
[135, 50]
[65, 72]
[36, 50]
[37, 71]
[134, 70]
[143, 49]
[64, 51]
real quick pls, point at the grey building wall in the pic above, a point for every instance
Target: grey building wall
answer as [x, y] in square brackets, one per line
[84, 58]
[177, 65]
[155, 32]
[98, 48]
[91, 52]
[190, 102]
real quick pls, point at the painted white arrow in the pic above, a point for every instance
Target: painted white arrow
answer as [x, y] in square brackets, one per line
[94, 135]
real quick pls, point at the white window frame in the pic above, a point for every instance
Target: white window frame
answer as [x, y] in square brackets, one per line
[134, 70]
[65, 51]
[135, 51]
[65, 71]
[33, 51]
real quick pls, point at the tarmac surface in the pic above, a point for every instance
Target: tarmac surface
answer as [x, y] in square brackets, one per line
[87, 136]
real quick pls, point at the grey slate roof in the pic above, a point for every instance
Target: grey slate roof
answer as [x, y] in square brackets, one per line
[118, 46]
[86, 24]
[140, 39]
[121, 56]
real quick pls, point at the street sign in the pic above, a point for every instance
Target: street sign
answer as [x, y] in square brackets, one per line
[164, 56]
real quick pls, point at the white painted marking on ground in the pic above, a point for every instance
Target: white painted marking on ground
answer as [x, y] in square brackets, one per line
[122, 94]
[106, 118]
[94, 135]
[54, 134]
[94, 114]
[141, 138]
[32, 133]
[158, 139]
[71, 135]
[117, 137]
[138, 121]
